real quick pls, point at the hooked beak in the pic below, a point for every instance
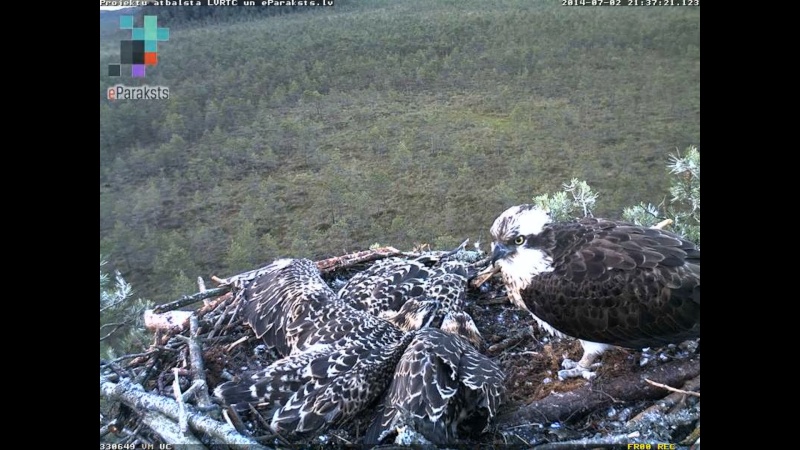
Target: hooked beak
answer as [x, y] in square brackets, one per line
[499, 252]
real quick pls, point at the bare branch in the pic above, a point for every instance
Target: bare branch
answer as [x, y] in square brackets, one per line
[134, 396]
[196, 360]
[117, 327]
[672, 389]
[189, 299]
[168, 430]
[579, 402]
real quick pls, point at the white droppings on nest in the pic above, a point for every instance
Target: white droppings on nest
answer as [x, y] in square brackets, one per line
[406, 436]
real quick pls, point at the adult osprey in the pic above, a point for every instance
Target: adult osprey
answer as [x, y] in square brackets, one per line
[604, 282]
[342, 351]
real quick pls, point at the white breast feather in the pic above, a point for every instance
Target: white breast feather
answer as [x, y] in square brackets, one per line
[518, 272]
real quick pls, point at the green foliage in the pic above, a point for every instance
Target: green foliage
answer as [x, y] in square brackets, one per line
[121, 327]
[683, 208]
[576, 200]
[398, 122]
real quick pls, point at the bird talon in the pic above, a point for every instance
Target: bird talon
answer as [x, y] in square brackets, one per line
[575, 373]
[568, 364]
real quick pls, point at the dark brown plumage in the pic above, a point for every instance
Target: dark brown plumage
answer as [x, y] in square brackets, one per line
[341, 351]
[338, 359]
[442, 388]
[384, 287]
[602, 281]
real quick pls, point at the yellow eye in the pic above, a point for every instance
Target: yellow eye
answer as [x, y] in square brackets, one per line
[519, 240]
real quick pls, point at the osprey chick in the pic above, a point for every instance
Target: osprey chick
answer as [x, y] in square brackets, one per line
[342, 351]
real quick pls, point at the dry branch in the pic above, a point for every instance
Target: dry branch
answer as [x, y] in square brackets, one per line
[599, 394]
[510, 341]
[189, 299]
[669, 401]
[502, 300]
[196, 360]
[339, 262]
[672, 389]
[134, 396]
[167, 429]
[168, 321]
[484, 275]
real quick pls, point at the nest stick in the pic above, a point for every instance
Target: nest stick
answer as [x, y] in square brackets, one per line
[183, 422]
[134, 396]
[189, 299]
[196, 360]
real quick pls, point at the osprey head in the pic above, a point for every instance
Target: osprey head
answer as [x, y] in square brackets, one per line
[519, 248]
[461, 324]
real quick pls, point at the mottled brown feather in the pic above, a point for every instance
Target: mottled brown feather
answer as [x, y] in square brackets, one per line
[618, 284]
[440, 384]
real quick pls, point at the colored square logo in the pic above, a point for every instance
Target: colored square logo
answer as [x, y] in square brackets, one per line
[142, 48]
[137, 71]
[125, 22]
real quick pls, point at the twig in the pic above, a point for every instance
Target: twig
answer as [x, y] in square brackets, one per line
[189, 299]
[134, 396]
[672, 389]
[196, 359]
[232, 419]
[669, 401]
[484, 275]
[176, 388]
[662, 224]
[218, 323]
[510, 341]
[503, 300]
[213, 305]
[140, 355]
[236, 342]
[116, 325]
[195, 389]
[259, 417]
[339, 262]
[235, 315]
[201, 285]
[145, 374]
